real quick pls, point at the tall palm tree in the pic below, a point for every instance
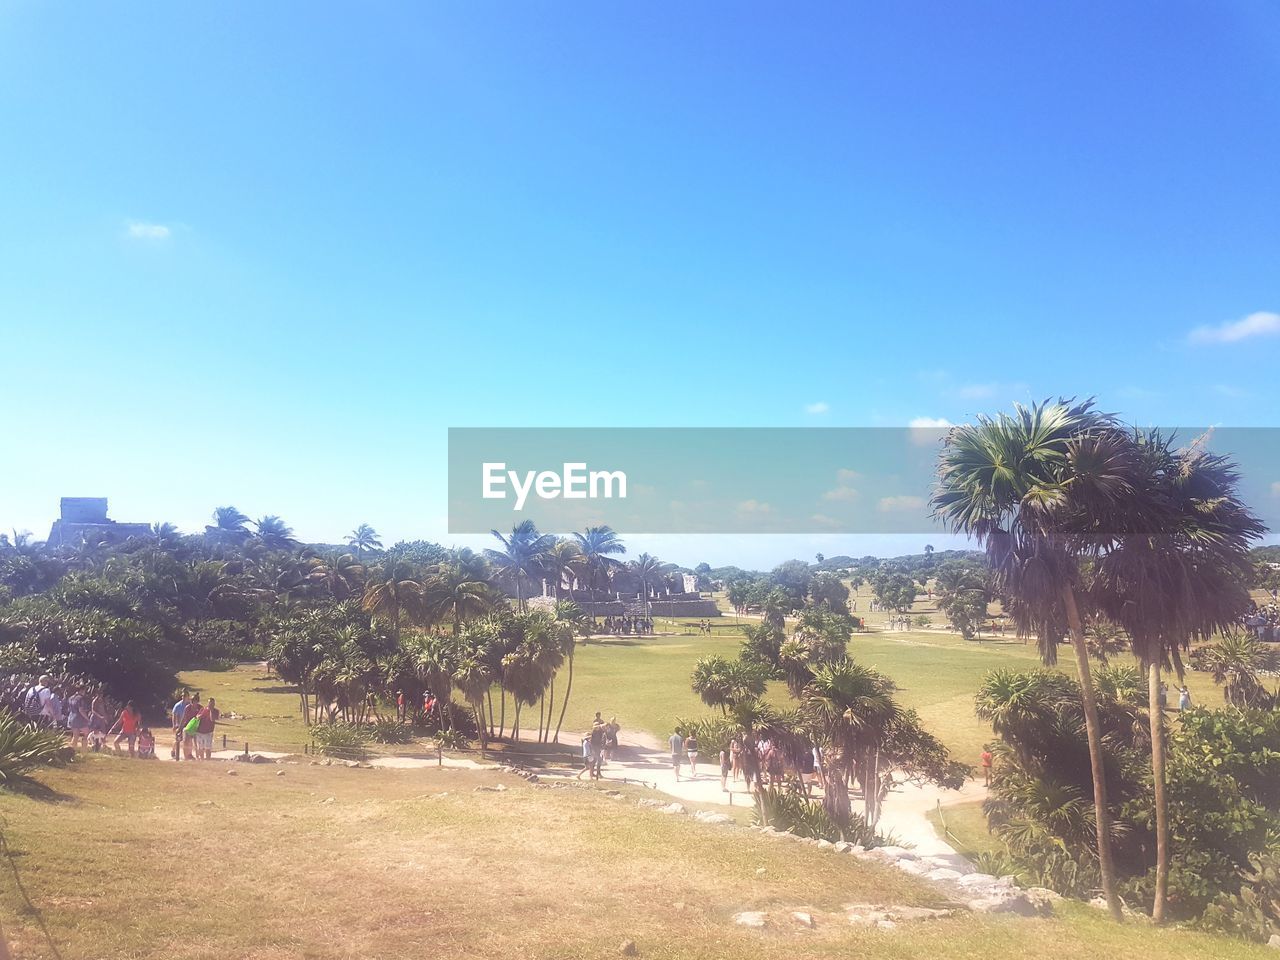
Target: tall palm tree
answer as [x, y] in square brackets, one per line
[564, 565]
[339, 574]
[363, 538]
[1039, 490]
[392, 593]
[599, 546]
[571, 620]
[521, 556]
[1179, 573]
[230, 520]
[649, 570]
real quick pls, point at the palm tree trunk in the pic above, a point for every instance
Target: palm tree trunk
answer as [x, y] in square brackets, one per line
[564, 701]
[1158, 781]
[1093, 729]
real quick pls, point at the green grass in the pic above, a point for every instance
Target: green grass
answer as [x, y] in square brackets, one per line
[965, 828]
[138, 860]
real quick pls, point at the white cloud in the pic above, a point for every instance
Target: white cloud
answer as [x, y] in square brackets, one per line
[1260, 324]
[822, 520]
[842, 493]
[929, 423]
[754, 507]
[816, 408]
[138, 230]
[899, 503]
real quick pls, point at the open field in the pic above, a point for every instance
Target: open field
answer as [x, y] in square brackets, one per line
[132, 860]
[644, 681]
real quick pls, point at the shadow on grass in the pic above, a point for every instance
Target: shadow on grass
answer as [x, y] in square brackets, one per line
[35, 790]
[28, 907]
[290, 690]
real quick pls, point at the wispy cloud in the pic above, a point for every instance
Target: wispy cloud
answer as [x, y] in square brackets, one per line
[140, 230]
[1260, 324]
[843, 491]
[929, 423]
[822, 520]
[900, 503]
[819, 407]
[754, 507]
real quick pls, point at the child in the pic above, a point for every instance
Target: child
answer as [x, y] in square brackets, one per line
[147, 744]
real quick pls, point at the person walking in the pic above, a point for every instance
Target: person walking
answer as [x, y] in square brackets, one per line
[126, 728]
[597, 747]
[1184, 698]
[676, 742]
[726, 763]
[78, 719]
[36, 697]
[206, 721]
[691, 749]
[611, 738]
[178, 717]
[188, 733]
[986, 766]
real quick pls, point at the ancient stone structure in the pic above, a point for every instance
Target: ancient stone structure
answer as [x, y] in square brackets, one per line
[84, 519]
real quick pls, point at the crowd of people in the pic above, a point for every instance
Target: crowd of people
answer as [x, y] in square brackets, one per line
[757, 762]
[1264, 622]
[599, 745]
[627, 625]
[88, 717]
[193, 725]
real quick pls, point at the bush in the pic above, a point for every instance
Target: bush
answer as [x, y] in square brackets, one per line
[714, 733]
[452, 740]
[391, 731]
[24, 747]
[346, 741]
[809, 818]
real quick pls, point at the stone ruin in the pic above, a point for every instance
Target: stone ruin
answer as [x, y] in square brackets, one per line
[84, 519]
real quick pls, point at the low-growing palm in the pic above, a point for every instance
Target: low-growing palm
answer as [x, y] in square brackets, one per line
[1238, 662]
[24, 748]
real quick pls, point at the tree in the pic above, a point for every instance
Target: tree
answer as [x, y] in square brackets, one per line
[454, 594]
[363, 538]
[1029, 487]
[572, 621]
[521, 556]
[963, 594]
[1178, 573]
[1238, 662]
[894, 590]
[827, 590]
[564, 565]
[273, 533]
[724, 683]
[648, 570]
[599, 545]
[391, 593]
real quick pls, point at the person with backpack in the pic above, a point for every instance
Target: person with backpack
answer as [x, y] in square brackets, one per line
[33, 704]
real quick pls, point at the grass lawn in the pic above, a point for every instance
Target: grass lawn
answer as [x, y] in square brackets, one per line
[966, 828]
[644, 682]
[135, 860]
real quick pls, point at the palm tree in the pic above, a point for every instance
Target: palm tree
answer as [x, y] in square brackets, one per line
[521, 556]
[648, 570]
[230, 520]
[852, 711]
[391, 593]
[165, 534]
[572, 621]
[340, 574]
[1238, 662]
[273, 533]
[1178, 574]
[363, 538]
[565, 564]
[598, 546]
[453, 593]
[1034, 488]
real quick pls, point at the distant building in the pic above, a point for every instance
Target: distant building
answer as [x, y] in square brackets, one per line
[85, 519]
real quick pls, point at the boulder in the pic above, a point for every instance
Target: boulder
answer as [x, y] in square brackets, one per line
[709, 816]
[842, 846]
[672, 808]
[825, 844]
[628, 948]
[943, 875]
[802, 918]
[755, 919]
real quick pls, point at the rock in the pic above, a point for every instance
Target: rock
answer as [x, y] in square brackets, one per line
[825, 844]
[755, 919]
[977, 880]
[869, 915]
[709, 816]
[628, 948]
[1018, 904]
[672, 808]
[760, 871]
[327, 800]
[496, 788]
[279, 773]
[894, 853]
[802, 918]
[1042, 899]
[206, 803]
[911, 867]
[1274, 942]
[231, 773]
[842, 847]
[943, 875]
[678, 906]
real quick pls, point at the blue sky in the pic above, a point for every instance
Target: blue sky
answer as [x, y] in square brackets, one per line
[265, 254]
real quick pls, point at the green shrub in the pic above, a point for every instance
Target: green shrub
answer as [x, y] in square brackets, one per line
[346, 741]
[24, 747]
[391, 731]
[452, 739]
[784, 810]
